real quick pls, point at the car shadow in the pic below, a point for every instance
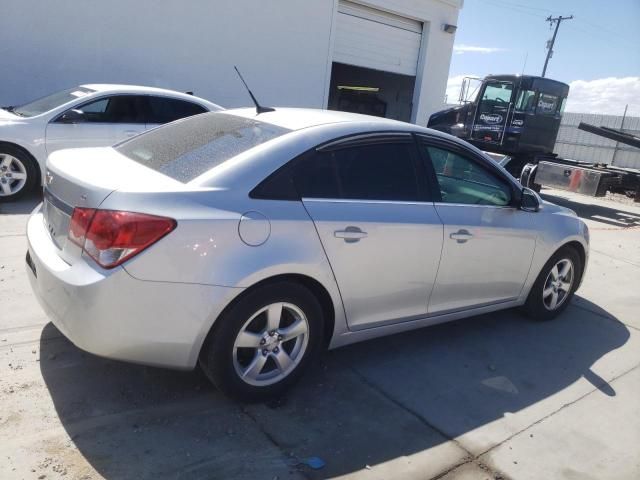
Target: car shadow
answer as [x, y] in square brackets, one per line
[361, 405]
[22, 206]
[616, 217]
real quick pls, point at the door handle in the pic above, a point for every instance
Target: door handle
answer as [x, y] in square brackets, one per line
[350, 234]
[131, 133]
[461, 236]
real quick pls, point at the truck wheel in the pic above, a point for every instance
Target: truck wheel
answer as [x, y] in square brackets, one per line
[18, 173]
[555, 285]
[262, 344]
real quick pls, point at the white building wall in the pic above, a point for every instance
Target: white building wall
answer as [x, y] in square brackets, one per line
[282, 47]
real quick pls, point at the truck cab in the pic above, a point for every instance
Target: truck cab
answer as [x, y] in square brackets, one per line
[515, 115]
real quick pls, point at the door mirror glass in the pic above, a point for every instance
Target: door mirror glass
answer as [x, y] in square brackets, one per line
[530, 201]
[72, 116]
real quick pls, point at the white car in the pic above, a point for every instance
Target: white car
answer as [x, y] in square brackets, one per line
[83, 116]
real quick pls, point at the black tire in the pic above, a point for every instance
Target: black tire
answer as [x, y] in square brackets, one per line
[217, 356]
[535, 306]
[30, 166]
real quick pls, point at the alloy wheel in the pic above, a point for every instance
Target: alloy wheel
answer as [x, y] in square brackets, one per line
[13, 175]
[557, 286]
[271, 344]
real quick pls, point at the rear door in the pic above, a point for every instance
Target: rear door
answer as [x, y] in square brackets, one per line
[102, 122]
[488, 243]
[377, 225]
[164, 110]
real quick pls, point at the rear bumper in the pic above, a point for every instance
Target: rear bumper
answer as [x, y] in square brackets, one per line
[111, 314]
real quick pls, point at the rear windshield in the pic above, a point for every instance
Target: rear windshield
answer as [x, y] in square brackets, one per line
[186, 149]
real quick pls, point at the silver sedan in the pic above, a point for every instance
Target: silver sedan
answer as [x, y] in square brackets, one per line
[247, 242]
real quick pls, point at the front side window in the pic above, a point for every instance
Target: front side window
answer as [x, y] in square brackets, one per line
[464, 181]
[526, 101]
[52, 101]
[115, 109]
[383, 171]
[192, 146]
[547, 104]
[165, 110]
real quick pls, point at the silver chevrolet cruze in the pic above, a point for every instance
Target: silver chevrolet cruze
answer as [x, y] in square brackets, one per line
[248, 242]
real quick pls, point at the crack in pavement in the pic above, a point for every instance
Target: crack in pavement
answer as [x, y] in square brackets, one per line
[596, 388]
[470, 458]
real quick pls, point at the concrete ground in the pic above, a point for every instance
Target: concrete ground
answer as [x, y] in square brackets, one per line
[494, 396]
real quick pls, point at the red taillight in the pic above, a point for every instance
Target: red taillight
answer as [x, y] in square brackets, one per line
[80, 220]
[111, 237]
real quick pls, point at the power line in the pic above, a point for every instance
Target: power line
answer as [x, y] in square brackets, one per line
[508, 3]
[557, 20]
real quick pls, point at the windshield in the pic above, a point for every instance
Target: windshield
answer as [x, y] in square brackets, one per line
[50, 102]
[186, 149]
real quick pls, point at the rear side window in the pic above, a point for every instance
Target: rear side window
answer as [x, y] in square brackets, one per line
[190, 147]
[165, 110]
[384, 171]
[547, 104]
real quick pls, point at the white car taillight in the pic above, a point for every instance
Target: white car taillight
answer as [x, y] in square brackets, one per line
[111, 237]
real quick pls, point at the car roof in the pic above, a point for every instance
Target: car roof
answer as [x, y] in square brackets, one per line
[299, 118]
[114, 87]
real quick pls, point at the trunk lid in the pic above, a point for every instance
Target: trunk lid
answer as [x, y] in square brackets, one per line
[85, 177]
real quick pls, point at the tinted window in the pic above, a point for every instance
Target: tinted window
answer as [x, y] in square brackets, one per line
[190, 147]
[116, 109]
[547, 104]
[462, 180]
[382, 171]
[51, 101]
[526, 101]
[164, 110]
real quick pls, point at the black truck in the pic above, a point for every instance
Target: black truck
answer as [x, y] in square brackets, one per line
[514, 115]
[516, 118]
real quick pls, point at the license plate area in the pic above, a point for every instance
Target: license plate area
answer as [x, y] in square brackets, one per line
[57, 216]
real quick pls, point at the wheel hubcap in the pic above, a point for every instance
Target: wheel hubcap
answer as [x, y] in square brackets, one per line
[558, 284]
[271, 344]
[13, 175]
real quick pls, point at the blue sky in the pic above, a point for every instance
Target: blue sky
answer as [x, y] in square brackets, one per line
[598, 52]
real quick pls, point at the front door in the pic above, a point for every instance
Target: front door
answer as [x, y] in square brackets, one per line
[380, 232]
[492, 112]
[99, 123]
[488, 244]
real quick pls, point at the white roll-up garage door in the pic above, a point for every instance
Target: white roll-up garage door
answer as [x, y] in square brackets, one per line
[371, 38]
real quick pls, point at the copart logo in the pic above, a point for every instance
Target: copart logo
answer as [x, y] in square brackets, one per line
[491, 118]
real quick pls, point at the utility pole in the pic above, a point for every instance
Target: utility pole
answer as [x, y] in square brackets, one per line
[557, 21]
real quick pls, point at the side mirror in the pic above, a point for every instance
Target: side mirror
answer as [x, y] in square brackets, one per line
[72, 116]
[529, 201]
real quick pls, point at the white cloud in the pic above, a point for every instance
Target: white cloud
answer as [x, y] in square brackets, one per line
[462, 48]
[605, 96]
[453, 88]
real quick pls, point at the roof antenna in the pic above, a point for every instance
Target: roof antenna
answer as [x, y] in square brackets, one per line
[259, 108]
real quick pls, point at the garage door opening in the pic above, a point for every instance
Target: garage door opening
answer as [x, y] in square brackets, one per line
[372, 92]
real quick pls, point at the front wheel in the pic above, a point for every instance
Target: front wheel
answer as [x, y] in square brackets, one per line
[18, 173]
[555, 285]
[261, 345]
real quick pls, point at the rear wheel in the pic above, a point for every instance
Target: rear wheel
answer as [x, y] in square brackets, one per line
[555, 285]
[18, 173]
[261, 345]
